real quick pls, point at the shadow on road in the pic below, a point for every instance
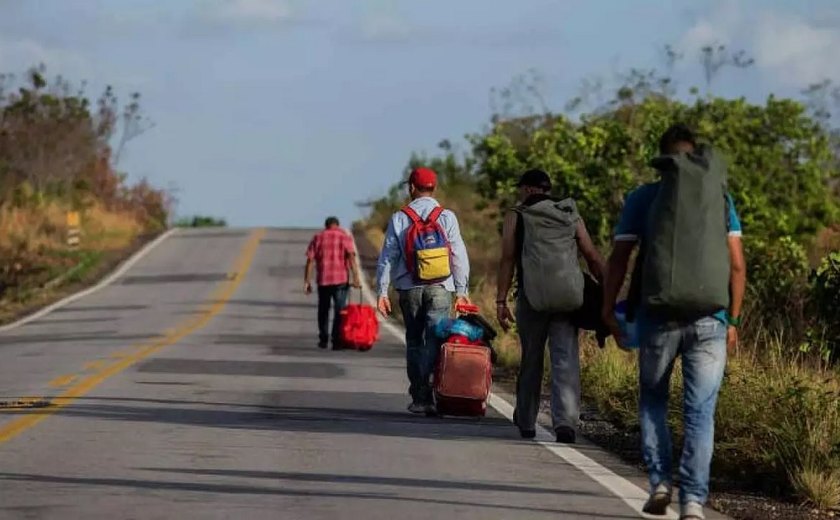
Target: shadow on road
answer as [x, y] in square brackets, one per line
[233, 489]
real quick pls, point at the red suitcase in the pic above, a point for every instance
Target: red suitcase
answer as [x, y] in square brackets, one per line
[463, 378]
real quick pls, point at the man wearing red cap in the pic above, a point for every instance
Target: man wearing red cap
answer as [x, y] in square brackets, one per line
[422, 304]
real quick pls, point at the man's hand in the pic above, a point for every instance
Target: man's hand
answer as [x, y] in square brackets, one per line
[608, 317]
[356, 283]
[504, 316]
[307, 287]
[384, 305]
[462, 300]
[731, 339]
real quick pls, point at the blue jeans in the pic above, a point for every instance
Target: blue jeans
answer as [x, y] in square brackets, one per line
[422, 308]
[702, 345]
[337, 296]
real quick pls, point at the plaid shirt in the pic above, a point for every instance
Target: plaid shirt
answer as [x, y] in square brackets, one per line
[331, 250]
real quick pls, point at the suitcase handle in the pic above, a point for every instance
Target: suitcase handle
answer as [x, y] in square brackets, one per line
[467, 308]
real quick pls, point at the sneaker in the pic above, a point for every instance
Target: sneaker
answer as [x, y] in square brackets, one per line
[322, 344]
[659, 501]
[565, 435]
[417, 408]
[430, 410]
[692, 511]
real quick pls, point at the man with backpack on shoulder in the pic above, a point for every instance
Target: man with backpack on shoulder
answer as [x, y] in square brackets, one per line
[426, 257]
[541, 240]
[685, 298]
[334, 256]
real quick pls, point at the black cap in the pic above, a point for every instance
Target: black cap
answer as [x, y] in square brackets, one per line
[535, 178]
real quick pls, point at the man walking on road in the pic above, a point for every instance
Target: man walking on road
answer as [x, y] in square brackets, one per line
[541, 239]
[426, 257]
[689, 273]
[334, 256]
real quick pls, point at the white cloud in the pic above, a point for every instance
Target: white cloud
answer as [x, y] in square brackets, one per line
[247, 13]
[795, 51]
[719, 26]
[790, 50]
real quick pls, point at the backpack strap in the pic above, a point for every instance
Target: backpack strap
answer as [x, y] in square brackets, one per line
[434, 215]
[410, 213]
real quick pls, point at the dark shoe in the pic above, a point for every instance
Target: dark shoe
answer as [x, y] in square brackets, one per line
[417, 408]
[565, 435]
[524, 433]
[659, 500]
[527, 434]
[322, 344]
[430, 410]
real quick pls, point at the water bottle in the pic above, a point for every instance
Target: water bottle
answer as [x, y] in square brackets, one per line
[629, 331]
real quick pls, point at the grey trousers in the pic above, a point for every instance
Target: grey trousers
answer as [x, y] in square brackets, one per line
[535, 329]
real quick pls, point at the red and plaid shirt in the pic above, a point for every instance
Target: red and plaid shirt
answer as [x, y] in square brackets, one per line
[331, 250]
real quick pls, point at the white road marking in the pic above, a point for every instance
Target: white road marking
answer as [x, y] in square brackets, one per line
[128, 264]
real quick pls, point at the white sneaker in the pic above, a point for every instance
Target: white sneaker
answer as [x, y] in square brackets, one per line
[692, 511]
[660, 499]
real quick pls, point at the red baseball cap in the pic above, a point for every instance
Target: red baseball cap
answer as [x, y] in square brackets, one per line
[423, 178]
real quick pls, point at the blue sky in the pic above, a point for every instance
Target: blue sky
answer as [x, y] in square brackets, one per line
[279, 112]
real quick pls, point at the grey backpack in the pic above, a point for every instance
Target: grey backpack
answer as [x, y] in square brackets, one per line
[552, 280]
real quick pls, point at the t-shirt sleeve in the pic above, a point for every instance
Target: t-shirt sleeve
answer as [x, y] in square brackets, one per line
[734, 222]
[631, 223]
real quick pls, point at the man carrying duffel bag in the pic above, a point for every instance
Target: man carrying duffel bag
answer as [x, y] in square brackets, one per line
[541, 240]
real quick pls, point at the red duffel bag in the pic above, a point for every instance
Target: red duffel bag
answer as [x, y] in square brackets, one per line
[359, 326]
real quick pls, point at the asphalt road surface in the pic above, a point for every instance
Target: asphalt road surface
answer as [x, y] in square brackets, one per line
[192, 388]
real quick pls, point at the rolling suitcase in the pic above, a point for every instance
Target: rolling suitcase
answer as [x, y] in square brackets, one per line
[463, 379]
[463, 375]
[359, 326]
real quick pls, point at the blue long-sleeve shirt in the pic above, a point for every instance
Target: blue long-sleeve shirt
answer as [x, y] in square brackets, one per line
[391, 264]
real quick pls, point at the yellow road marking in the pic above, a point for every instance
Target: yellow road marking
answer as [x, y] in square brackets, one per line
[60, 381]
[14, 428]
[94, 365]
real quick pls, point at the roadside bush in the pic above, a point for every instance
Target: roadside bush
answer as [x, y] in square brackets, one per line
[777, 288]
[825, 304]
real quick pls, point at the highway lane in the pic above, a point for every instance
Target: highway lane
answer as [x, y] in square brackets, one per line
[192, 388]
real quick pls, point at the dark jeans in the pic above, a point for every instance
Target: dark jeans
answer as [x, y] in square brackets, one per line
[422, 308]
[337, 296]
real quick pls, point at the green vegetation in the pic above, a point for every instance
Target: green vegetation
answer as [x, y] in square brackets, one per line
[200, 221]
[778, 422]
[56, 157]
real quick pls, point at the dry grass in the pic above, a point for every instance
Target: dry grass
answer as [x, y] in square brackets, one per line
[819, 488]
[35, 261]
[109, 230]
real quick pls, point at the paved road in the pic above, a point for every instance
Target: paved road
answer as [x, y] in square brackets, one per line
[191, 388]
